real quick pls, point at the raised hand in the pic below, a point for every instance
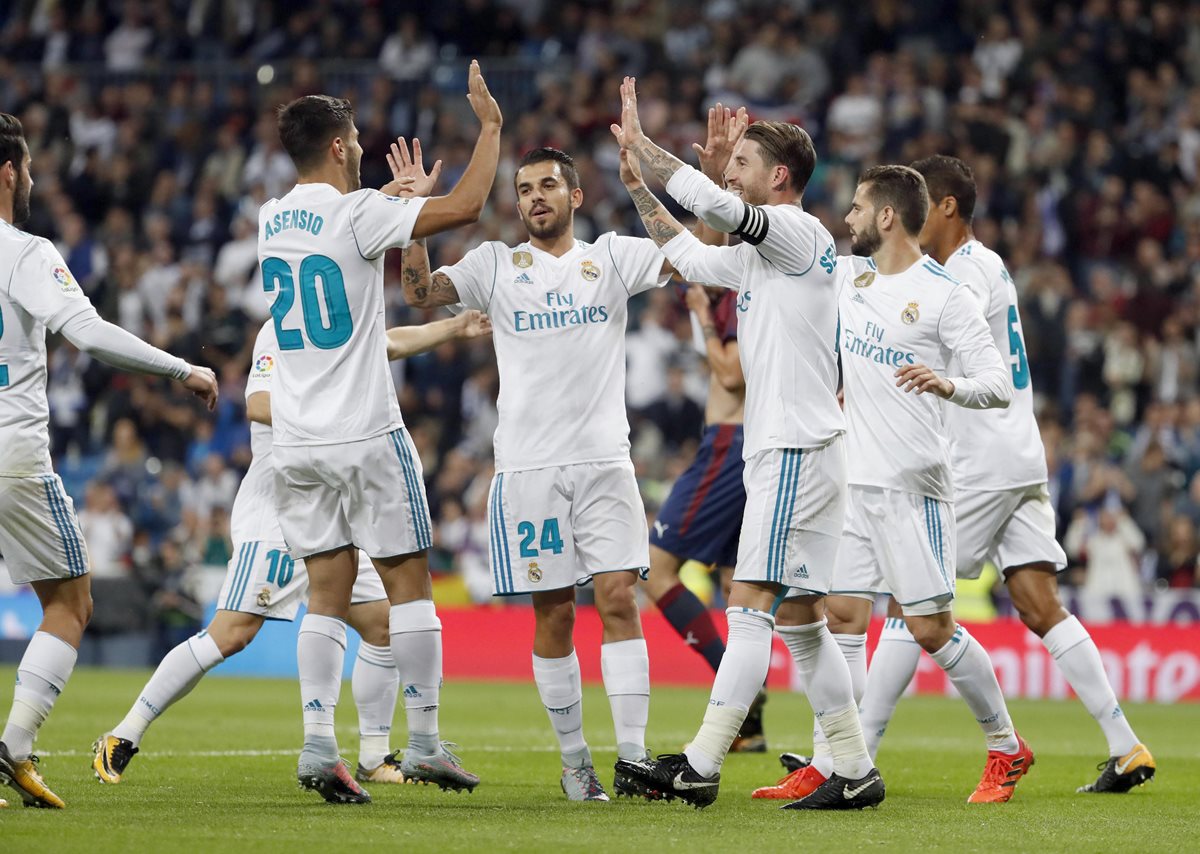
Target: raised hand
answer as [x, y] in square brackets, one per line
[629, 131]
[474, 324]
[485, 106]
[631, 169]
[202, 382]
[725, 131]
[408, 173]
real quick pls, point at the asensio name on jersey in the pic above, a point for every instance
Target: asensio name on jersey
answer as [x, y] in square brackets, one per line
[996, 448]
[920, 316]
[559, 332]
[322, 254]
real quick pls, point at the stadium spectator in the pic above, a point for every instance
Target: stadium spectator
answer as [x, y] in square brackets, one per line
[1082, 122]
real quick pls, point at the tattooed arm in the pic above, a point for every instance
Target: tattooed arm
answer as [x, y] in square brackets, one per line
[422, 289]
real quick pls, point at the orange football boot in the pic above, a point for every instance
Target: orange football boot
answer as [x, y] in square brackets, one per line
[1001, 774]
[798, 784]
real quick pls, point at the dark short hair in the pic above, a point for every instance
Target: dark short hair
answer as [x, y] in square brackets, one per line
[785, 144]
[307, 125]
[12, 141]
[903, 190]
[949, 176]
[564, 160]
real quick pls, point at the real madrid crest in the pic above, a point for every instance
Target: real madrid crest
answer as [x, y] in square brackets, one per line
[264, 597]
[521, 258]
[864, 280]
[535, 572]
[911, 314]
[589, 271]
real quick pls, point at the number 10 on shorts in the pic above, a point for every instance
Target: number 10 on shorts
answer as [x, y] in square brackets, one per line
[551, 539]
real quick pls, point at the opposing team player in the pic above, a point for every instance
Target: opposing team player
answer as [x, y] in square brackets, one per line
[39, 533]
[904, 320]
[1002, 506]
[565, 506]
[347, 475]
[795, 474]
[702, 516]
[264, 583]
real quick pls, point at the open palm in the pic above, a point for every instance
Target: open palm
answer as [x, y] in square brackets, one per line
[408, 171]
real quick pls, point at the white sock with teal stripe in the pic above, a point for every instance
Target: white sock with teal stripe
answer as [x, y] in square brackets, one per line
[1077, 657]
[892, 668]
[969, 668]
[176, 675]
[41, 677]
[417, 650]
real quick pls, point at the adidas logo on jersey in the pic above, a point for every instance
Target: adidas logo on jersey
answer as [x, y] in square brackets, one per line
[858, 298]
[523, 279]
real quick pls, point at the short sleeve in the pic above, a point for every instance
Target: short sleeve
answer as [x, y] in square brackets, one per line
[266, 361]
[474, 276]
[381, 222]
[42, 285]
[638, 263]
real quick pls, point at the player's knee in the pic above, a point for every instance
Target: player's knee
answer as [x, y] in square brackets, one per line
[618, 606]
[930, 635]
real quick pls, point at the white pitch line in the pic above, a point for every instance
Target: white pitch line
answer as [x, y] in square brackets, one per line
[217, 754]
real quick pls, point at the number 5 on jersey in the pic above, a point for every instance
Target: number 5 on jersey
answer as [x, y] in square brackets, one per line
[325, 329]
[551, 540]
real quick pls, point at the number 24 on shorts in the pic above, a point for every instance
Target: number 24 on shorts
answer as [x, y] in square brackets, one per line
[551, 540]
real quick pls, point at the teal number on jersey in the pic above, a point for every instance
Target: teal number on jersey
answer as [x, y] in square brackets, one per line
[277, 275]
[551, 539]
[1016, 348]
[282, 568]
[3, 368]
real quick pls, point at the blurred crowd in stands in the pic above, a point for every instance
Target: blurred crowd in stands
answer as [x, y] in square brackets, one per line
[152, 131]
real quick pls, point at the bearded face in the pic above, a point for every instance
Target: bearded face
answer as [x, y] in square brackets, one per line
[22, 192]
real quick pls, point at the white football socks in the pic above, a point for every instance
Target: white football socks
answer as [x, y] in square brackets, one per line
[176, 675]
[970, 669]
[739, 679]
[417, 650]
[625, 666]
[827, 680]
[560, 686]
[42, 675]
[375, 685]
[892, 667]
[1079, 661]
[320, 654]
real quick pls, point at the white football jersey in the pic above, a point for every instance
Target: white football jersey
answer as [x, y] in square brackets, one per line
[787, 314]
[321, 254]
[558, 325]
[37, 292]
[998, 448]
[898, 440]
[254, 518]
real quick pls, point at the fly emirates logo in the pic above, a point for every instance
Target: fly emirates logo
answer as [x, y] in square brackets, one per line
[560, 312]
[870, 346]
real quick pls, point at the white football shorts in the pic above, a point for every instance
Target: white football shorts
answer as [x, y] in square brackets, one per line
[1012, 527]
[39, 533]
[795, 510]
[370, 494]
[899, 543]
[556, 527]
[263, 579]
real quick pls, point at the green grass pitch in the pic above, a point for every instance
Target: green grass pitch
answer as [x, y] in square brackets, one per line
[217, 773]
